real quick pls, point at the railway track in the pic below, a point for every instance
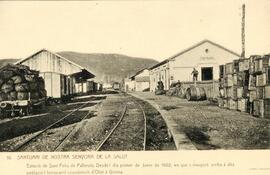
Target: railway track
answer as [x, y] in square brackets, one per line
[121, 137]
[58, 146]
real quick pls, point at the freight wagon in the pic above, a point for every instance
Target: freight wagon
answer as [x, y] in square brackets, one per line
[116, 86]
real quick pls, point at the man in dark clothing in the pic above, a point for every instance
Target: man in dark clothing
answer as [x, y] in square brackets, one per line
[195, 74]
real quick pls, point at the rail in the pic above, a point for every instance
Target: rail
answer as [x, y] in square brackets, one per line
[26, 142]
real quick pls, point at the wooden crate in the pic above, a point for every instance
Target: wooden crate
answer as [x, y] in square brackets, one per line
[228, 92]
[221, 71]
[266, 103]
[252, 64]
[242, 104]
[237, 79]
[252, 95]
[257, 104]
[260, 92]
[229, 80]
[243, 65]
[240, 92]
[252, 82]
[245, 77]
[267, 92]
[261, 79]
[232, 104]
[236, 66]
[261, 108]
[261, 63]
[229, 68]
[234, 92]
[267, 71]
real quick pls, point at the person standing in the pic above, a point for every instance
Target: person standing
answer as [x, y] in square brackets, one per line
[195, 74]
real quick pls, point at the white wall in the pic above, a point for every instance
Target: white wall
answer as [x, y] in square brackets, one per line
[140, 86]
[182, 65]
[144, 73]
[48, 62]
[160, 73]
[52, 84]
[129, 85]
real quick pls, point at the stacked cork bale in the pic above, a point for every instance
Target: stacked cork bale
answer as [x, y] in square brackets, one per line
[18, 82]
[245, 85]
[229, 99]
[260, 85]
[241, 83]
[234, 85]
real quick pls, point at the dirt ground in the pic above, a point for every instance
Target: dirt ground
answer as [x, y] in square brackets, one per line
[86, 134]
[210, 127]
[14, 131]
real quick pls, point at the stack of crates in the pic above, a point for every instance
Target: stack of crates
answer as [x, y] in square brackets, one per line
[245, 85]
[228, 87]
[235, 88]
[259, 88]
[241, 78]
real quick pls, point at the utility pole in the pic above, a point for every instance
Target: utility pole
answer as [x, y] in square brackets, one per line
[243, 31]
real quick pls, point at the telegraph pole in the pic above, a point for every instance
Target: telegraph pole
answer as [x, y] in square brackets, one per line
[243, 31]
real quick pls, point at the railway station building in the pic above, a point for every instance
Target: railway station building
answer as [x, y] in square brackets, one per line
[62, 77]
[205, 57]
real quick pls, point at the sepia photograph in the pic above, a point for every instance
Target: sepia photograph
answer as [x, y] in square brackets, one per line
[134, 76]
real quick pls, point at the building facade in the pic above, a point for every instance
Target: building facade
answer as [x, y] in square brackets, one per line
[205, 57]
[140, 81]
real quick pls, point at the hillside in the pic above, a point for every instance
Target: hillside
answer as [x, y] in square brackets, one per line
[109, 67]
[4, 62]
[106, 67]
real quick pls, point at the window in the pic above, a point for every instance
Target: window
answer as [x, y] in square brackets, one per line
[207, 73]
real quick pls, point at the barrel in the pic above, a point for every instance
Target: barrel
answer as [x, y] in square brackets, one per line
[182, 92]
[195, 93]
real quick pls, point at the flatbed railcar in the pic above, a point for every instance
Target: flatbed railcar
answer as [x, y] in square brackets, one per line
[21, 107]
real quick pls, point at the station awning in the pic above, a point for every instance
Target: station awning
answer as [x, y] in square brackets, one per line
[82, 76]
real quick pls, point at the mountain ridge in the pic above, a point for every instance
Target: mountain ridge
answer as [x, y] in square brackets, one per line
[108, 67]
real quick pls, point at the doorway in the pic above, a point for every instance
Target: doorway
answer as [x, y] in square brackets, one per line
[207, 73]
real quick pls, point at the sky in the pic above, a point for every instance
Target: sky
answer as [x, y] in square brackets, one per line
[149, 29]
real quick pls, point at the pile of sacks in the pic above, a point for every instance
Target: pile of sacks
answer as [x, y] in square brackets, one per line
[18, 82]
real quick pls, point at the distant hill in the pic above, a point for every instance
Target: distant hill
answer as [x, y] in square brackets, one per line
[106, 67]
[109, 67]
[4, 62]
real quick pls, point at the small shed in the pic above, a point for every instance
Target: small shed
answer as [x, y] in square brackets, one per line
[129, 84]
[141, 80]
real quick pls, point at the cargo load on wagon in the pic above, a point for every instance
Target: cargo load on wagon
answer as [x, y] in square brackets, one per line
[20, 89]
